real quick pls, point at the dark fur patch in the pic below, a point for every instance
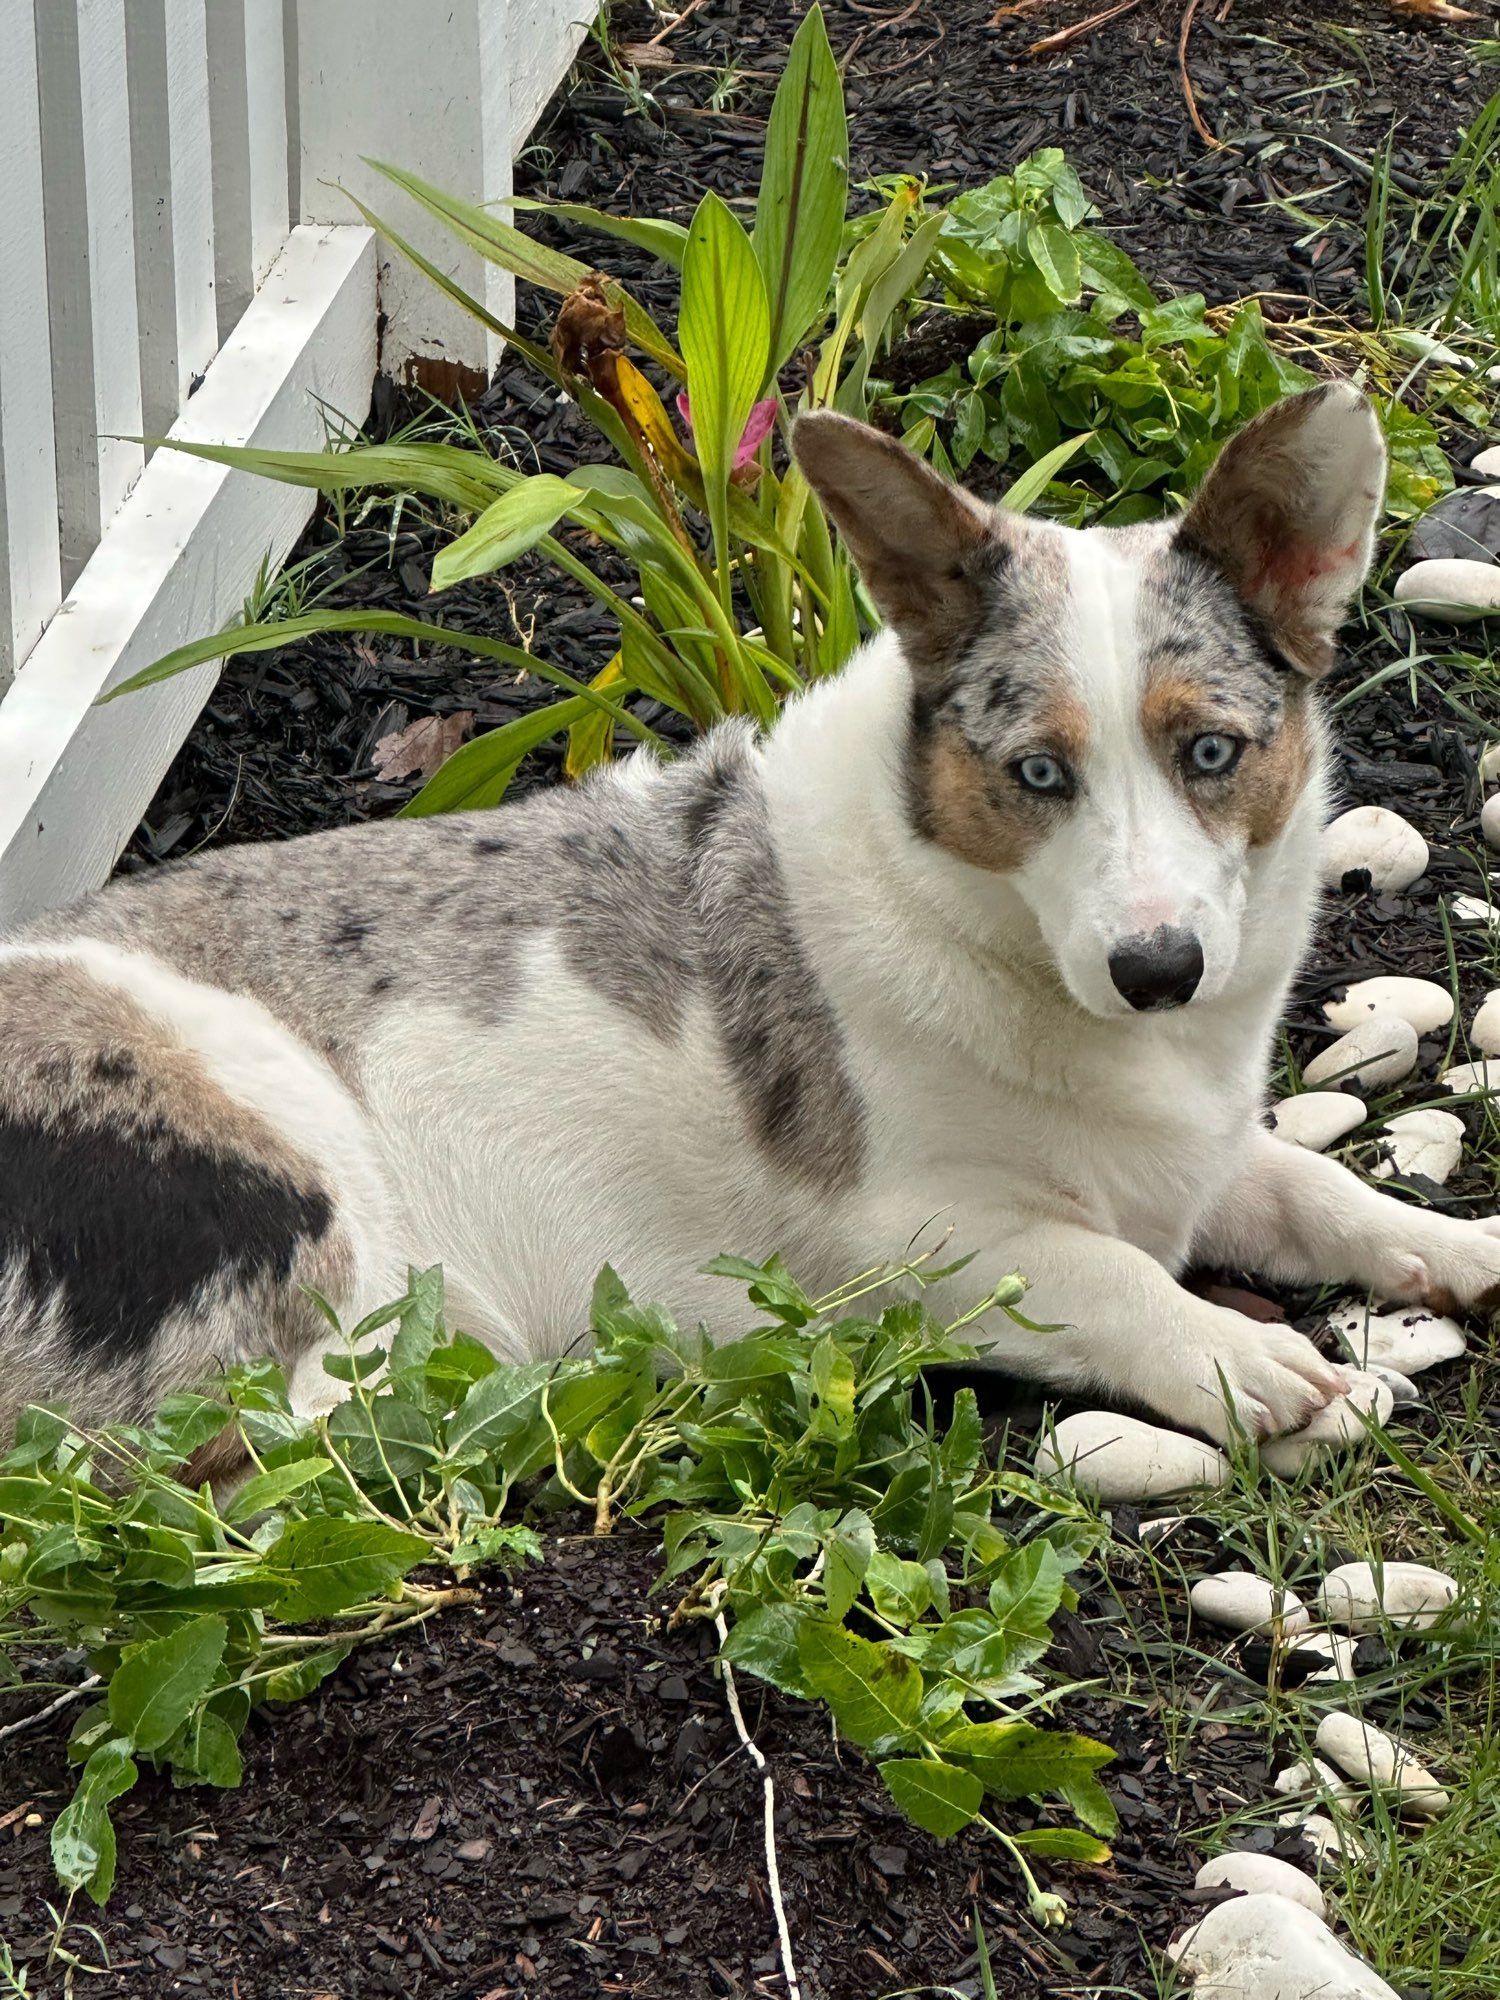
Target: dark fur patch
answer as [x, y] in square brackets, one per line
[130, 1224]
[781, 1037]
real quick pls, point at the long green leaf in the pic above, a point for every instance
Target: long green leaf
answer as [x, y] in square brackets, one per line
[873, 1692]
[1023, 493]
[666, 240]
[804, 190]
[478, 775]
[463, 478]
[725, 331]
[265, 638]
[514, 523]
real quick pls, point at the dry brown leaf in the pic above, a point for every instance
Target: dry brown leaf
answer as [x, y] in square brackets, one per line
[417, 750]
[1434, 10]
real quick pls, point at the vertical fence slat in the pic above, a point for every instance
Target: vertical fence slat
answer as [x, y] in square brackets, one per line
[428, 87]
[247, 101]
[167, 65]
[96, 375]
[30, 576]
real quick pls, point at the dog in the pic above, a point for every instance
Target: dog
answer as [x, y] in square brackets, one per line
[990, 934]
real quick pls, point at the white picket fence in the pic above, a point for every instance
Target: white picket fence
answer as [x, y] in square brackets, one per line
[176, 258]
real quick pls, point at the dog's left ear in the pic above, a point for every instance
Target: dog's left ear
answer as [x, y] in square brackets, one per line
[1288, 512]
[926, 550]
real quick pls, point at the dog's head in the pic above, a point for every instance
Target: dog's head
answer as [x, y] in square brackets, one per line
[1118, 720]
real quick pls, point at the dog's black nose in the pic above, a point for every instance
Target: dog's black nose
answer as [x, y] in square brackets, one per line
[1158, 971]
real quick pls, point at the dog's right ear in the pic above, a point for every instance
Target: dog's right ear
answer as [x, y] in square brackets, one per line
[926, 551]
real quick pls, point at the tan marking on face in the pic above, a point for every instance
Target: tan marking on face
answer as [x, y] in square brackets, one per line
[1271, 777]
[973, 805]
[1256, 801]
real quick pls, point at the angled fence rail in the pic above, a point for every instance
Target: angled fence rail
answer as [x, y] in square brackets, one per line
[178, 261]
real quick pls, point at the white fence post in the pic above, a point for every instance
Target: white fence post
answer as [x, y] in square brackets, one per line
[30, 577]
[96, 373]
[426, 88]
[167, 62]
[247, 101]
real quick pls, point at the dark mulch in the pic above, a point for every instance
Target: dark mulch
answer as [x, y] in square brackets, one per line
[545, 1799]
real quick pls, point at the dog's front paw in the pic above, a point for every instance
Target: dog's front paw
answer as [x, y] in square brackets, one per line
[1453, 1267]
[1257, 1379]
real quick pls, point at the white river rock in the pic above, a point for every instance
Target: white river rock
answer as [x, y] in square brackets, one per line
[1337, 1423]
[1407, 1338]
[1261, 1875]
[1266, 1947]
[1429, 1143]
[1474, 910]
[1452, 589]
[1367, 1753]
[1487, 462]
[1422, 1002]
[1381, 1050]
[1376, 839]
[1311, 1776]
[1489, 819]
[1240, 1601]
[1464, 1078]
[1316, 1119]
[1363, 1598]
[1485, 1033]
[1120, 1458]
[1337, 1648]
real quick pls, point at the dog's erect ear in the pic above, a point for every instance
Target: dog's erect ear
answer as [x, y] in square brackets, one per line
[1288, 512]
[925, 550]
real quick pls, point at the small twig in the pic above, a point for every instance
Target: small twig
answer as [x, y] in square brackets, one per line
[1016, 7]
[1187, 82]
[1065, 37]
[773, 1873]
[62, 1701]
[673, 25]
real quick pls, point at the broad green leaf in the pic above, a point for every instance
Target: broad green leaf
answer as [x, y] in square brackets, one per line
[899, 1590]
[1017, 1760]
[873, 1693]
[83, 1840]
[269, 1489]
[832, 1375]
[763, 1640]
[962, 1449]
[1028, 1590]
[804, 188]
[1055, 255]
[514, 523]
[158, 1682]
[326, 1565]
[383, 1439]
[498, 1406]
[207, 1753]
[847, 1554]
[292, 1683]
[724, 330]
[938, 1797]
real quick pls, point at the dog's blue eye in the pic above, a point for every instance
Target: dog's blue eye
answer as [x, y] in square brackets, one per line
[1212, 756]
[1042, 774]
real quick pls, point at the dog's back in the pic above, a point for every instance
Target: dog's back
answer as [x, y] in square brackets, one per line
[473, 1040]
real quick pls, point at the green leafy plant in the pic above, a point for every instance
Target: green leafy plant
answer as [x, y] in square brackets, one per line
[744, 597]
[802, 1488]
[1064, 358]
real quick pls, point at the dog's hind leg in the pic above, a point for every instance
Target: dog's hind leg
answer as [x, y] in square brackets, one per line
[1298, 1216]
[176, 1170]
